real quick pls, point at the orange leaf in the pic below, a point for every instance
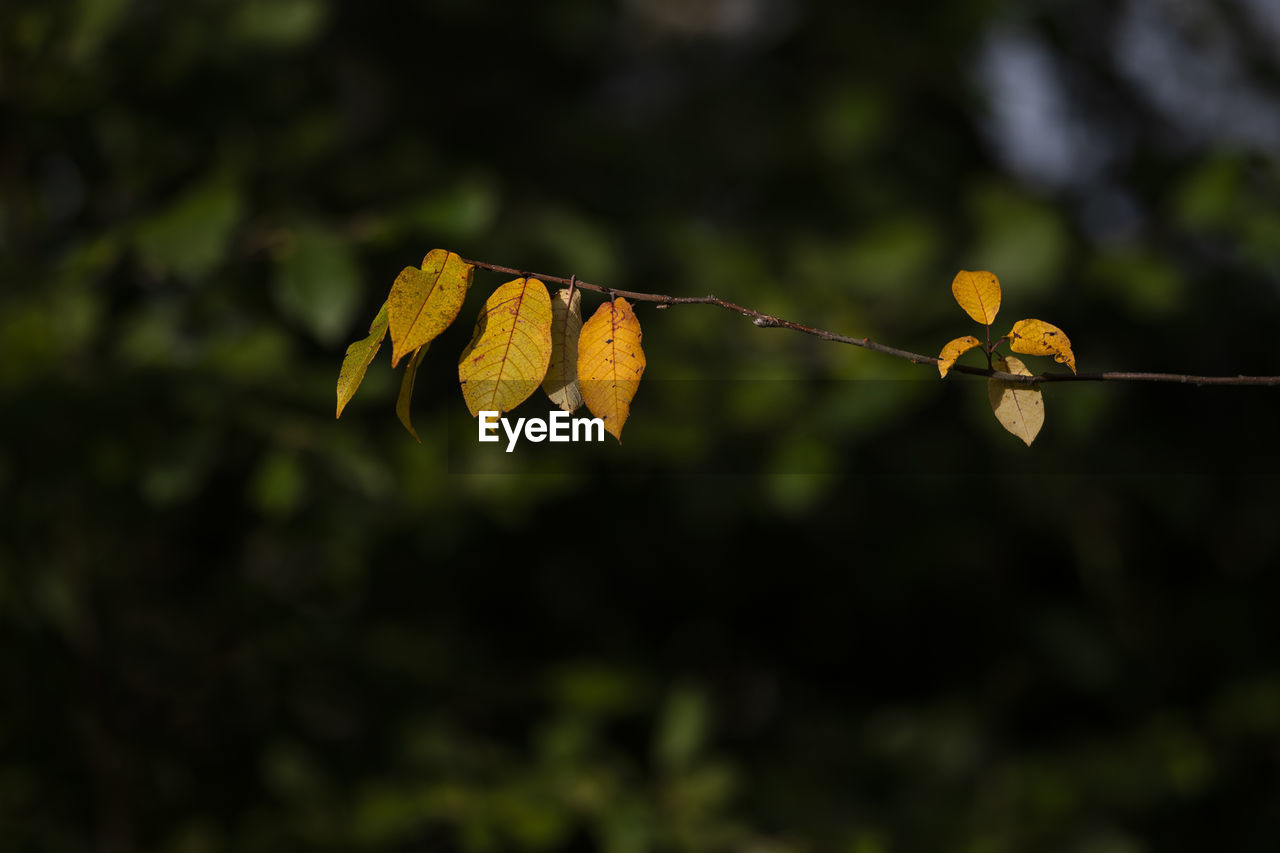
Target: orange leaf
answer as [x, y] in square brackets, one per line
[953, 350]
[561, 381]
[510, 348]
[1019, 408]
[610, 363]
[978, 294]
[1036, 337]
[423, 302]
[358, 358]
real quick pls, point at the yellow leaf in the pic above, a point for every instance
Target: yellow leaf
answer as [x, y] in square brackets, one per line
[610, 363]
[423, 302]
[1036, 337]
[953, 350]
[358, 358]
[406, 391]
[978, 294]
[561, 381]
[510, 348]
[1019, 408]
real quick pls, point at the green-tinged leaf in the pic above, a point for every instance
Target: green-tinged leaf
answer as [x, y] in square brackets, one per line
[190, 237]
[1019, 408]
[610, 363]
[1036, 337]
[406, 391]
[510, 348]
[978, 293]
[561, 381]
[682, 729]
[953, 350]
[279, 485]
[423, 302]
[279, 24]
[358, 358]
[317, 282]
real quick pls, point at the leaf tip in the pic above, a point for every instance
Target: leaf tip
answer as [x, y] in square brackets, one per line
[405, 398]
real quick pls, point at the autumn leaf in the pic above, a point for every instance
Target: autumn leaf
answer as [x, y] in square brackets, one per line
[358, 358]
[561, 381]
[1036, 337]
[953, 350]
[406, 391]
[978, 294]
[423, 302]
[1019, 408]
[510, 348]
[610, 363]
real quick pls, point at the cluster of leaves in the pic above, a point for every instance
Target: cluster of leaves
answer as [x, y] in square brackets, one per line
[1018, 407]
[524, 339]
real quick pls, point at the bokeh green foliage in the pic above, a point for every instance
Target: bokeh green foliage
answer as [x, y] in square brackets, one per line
[784, 616]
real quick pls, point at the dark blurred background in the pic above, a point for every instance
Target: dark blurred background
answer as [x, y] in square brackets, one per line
[816, 600]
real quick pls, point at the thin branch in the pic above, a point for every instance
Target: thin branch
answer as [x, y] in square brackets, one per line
[768, 321]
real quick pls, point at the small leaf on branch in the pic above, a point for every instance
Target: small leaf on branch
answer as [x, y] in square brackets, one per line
[1019, 408]
[953, 350]
[358, 358]
[561, 381]
[1036, 337]
[978, 293]
[510, 348]
[423, 302]
[406, 391]
[610, 363]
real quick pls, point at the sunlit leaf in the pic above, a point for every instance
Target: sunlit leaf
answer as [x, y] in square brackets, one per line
[978, 294]
[561, 381]
[1019, 408]
[953, 350]
[510, 348]
[610, 363]
[406, 391]
[423, 302]
[1036, 337]
[359, 356]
